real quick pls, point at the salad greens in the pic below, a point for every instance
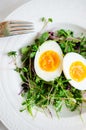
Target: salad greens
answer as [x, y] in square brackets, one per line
[39, 93]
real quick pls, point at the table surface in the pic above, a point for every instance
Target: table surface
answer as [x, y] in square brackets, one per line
[5, 10]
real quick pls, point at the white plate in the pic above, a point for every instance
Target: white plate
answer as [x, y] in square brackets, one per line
[68, 14]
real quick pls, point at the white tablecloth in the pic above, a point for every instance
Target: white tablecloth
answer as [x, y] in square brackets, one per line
[6, 7]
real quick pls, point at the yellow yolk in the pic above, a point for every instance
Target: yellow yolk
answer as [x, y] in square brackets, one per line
[78, 71]
[49, 61]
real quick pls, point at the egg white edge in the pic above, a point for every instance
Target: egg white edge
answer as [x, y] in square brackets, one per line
[48, 76]
[66, 65]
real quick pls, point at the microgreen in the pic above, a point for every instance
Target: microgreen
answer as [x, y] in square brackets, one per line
[12, 53]
[39, 93]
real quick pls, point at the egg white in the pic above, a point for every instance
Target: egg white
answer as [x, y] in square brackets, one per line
[69, 58]
[48, 76]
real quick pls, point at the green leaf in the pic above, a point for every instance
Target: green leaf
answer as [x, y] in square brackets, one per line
[44, 37]
[24, 103]
[37, 79]
[12, 53]
[43, 19]
[22, 110]
[64, 33]
[32, 55]
[17, 69]
[83, 54]
[24, 69]
[29, 109]
[34, 47]
[71, 104]
[50, 20]
[23, 78]
[58, 105]
[24, 50]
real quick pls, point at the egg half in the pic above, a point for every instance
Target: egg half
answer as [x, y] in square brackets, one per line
[48, 61]
[74, 68]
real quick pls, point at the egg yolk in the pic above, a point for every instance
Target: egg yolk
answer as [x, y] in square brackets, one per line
[49, 61]
[78, 71]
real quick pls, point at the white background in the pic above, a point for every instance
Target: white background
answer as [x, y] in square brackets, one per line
[6, 7]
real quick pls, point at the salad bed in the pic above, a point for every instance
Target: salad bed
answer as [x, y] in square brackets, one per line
[39, 93]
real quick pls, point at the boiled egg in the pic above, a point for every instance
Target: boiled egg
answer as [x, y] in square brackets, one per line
[48, 61]
[74, 68]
